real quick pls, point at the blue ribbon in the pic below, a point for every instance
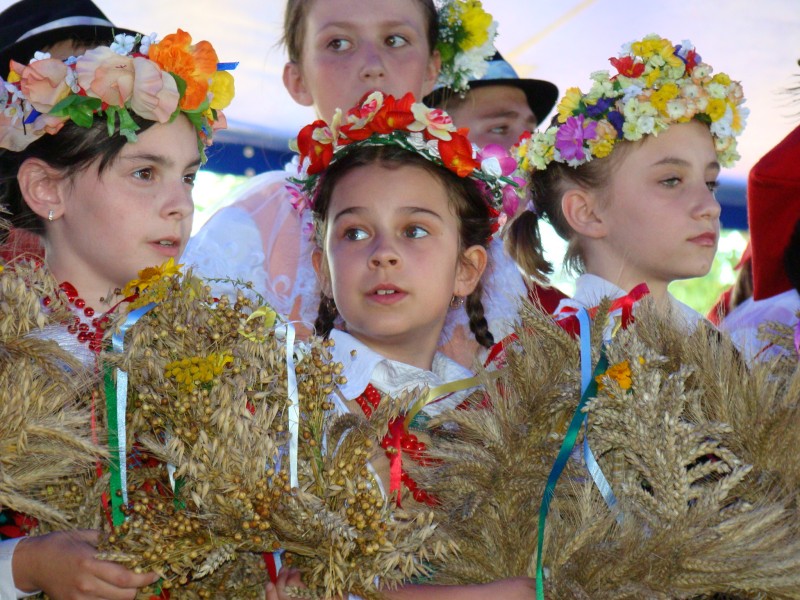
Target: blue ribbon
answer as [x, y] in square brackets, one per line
[118, 345]
[228, 66]
[589, 390]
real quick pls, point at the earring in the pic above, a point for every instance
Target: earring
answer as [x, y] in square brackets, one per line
[51, 215]
[456, 301]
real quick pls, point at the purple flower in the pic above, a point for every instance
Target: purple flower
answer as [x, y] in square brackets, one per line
[617, 120]
[571, 136]
[596, 110]
[510, 200]
[505, 161]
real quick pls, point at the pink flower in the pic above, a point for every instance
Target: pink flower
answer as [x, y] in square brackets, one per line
[155, 94]
[44, 83]
[47, 124]
[106, 75]
[503, 160]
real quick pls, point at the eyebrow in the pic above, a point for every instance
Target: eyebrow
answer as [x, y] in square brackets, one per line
[410, 210]
[158, 159]
[680, 162]
[348, 24]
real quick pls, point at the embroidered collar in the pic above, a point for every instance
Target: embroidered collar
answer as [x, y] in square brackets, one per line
[363, 366]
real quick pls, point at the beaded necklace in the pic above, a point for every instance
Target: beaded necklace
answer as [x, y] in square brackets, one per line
[87, 333]
[399, 440]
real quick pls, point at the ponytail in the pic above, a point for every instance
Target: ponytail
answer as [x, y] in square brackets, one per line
[524, 245]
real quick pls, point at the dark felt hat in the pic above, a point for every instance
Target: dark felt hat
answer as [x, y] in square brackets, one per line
[541, 95]
[30, 25]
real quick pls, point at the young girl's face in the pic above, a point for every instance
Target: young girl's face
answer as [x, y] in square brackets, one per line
[660, 215]
[393, 260]
[352, 47]
[136, 214]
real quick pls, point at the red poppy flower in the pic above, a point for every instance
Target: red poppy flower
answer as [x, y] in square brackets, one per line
[319, 154]
[627, 66]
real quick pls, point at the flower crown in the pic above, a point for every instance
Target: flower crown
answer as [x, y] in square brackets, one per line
[466, 42]
[384, 120]
[154, 80]
[657, 84]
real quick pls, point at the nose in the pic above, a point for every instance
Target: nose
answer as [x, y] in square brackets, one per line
[372, 68]
[708, 207]
[178, 202]
[383, 254]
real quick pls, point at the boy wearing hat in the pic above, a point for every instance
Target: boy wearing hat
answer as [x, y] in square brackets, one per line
[499, 106]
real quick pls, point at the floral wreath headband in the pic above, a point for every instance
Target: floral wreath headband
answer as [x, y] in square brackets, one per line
[657, 84]
[384, 120]
[466, 42]
[154, 80]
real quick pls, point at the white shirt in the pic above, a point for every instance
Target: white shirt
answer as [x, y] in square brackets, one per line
[363, 366]
[743, 322]
[590, 290]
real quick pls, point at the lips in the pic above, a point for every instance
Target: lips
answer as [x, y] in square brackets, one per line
[708, 238]
[386, 294]
[168, 246]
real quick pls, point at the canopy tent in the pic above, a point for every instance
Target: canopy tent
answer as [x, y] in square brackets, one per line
[757, 43]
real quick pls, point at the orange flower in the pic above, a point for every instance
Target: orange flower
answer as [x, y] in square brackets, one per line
[457, 154]
[195, 64]
[394, 115]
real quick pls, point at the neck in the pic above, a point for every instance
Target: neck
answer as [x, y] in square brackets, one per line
[98, 295]
[416, 353]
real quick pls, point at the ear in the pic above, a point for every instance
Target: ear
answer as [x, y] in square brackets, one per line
[431, 73]
[470, 268]
[41, 186]
[322, 271]
[295, 84]
[581, 209]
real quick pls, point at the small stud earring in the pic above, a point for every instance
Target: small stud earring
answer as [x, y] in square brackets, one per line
[51, 214]
[457, 302]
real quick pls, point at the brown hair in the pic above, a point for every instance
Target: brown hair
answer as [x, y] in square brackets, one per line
[294, 26]
[72, 150]
[465, 198]
[547, 188]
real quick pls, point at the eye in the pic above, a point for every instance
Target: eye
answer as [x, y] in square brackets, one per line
[144, 174]
[671, 182]
[339, 44]
[355, 234]
[499, 129]
[396, 41]
[712, 186]
[190, 178]
[416, 232]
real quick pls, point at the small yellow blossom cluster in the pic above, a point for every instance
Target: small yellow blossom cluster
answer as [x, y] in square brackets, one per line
[197, 370]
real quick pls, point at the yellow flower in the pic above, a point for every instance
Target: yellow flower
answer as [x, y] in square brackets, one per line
[716, 108]
[188, 373]
[660, 97]
[722, 79]
[569, 103]
[149, 276]
[475, 22]
[620, 372]
[222, 89]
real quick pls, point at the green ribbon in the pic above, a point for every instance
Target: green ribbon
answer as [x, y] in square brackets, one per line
[561, 462]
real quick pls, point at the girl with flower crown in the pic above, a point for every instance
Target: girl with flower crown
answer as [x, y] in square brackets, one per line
[403, 214]
[99, 158]
[626, 174]
[340, 50]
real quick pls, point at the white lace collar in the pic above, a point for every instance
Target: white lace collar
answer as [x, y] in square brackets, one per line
[363, 366]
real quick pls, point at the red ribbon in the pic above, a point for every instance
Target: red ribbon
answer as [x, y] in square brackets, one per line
[625, 303]
[394, 439]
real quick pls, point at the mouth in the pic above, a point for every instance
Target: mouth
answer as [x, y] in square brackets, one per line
[386, 293]
[705, 239]
[168, 245]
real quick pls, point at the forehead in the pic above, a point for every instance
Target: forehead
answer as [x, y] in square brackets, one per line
[493, 99]
[691, 142]
[385, 185]
[364, 14]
